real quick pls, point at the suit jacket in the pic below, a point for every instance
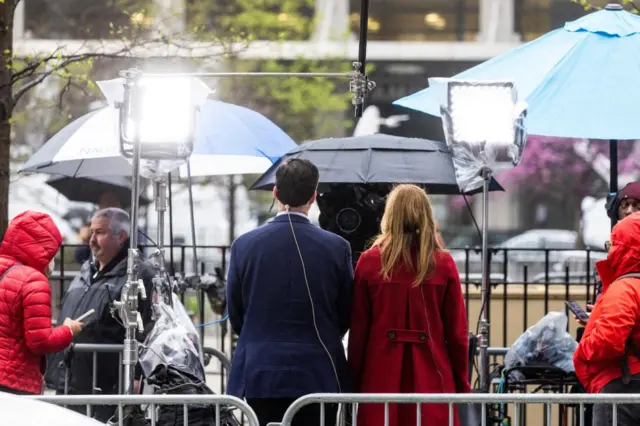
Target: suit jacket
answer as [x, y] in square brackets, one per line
[279, 354]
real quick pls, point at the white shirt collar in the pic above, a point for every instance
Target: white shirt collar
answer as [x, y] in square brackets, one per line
[296, 213]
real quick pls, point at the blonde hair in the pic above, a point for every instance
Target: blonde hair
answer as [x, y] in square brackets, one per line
[408, 233]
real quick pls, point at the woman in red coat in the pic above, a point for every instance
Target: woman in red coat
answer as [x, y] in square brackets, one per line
[29, 245]
[409, 330]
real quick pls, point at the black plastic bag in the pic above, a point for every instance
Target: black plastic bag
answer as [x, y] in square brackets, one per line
[170, 380]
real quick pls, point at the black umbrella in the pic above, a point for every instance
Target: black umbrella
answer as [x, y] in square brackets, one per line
[89, 190]
[378, 159]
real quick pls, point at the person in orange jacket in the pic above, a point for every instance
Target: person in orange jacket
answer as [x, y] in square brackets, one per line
[607, 359]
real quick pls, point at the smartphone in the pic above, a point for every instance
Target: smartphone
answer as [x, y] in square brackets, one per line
[577, 310]
[85, 315]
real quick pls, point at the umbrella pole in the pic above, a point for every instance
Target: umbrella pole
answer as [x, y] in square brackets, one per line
[613, 171]
[483, 335]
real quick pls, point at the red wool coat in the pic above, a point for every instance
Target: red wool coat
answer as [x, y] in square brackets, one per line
[406, 339]
[31, 241]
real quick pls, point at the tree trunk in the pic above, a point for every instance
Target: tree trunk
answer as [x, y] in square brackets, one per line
[6, 107]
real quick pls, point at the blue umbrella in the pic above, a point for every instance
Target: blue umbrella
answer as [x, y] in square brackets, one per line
[229, 140]
[580, 81]
[232, 138]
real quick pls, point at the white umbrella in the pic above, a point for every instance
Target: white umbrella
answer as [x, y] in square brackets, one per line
[87, 147]
[25, 411]
[229, 140]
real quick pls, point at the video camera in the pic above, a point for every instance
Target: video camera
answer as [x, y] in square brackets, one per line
[353, 211]
[214, 286]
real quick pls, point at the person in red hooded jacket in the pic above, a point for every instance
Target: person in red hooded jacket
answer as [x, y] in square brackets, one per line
[30, 243]
[606, 360]
[409, 331]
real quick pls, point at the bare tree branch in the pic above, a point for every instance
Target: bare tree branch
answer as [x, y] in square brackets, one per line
[31, 68]
[30, 85]
[131, 49]
[63, 91]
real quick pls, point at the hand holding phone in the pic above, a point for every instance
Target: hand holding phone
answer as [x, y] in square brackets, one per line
[581, 315]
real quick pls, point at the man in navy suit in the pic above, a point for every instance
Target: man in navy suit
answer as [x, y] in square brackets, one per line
[289, 298]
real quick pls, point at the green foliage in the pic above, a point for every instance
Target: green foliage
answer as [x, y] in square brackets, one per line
[191, 304]
[305, 108]
[249, 20]
[587, 5]
[69, 90]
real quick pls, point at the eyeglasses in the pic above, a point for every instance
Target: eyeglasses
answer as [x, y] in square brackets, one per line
[607, 246]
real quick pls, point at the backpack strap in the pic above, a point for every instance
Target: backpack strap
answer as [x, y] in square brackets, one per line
[629, 347]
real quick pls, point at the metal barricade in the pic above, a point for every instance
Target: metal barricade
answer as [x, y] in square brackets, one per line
[453, 400]
[96, 349]
[153, 402]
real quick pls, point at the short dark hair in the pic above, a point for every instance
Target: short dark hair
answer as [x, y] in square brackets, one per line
[296, 182]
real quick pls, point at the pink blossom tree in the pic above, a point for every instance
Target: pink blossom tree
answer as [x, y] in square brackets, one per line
[549, 164]
[552, 173]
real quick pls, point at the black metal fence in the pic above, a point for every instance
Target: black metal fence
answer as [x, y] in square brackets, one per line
[526, 284]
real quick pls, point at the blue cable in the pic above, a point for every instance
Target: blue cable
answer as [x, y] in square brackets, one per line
[501, 390]
[223, 319]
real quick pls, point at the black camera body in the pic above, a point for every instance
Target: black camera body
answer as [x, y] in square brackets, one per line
[354, 212]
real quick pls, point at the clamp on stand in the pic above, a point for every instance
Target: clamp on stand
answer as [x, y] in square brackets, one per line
[360, 85]
[128, 312]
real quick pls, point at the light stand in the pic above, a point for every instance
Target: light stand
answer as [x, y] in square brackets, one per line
[134, 287]
[483, 326]
[484, 128]
[161, 284]
[143, 112]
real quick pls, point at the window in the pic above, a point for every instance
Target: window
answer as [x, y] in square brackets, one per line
[418, 20]
[535, 18]
[82, 19]
[248, 19]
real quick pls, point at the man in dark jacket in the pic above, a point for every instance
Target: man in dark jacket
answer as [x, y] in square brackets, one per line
[97, 286]
[289, 299]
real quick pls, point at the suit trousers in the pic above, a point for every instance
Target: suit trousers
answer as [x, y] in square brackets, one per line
[271, 410]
